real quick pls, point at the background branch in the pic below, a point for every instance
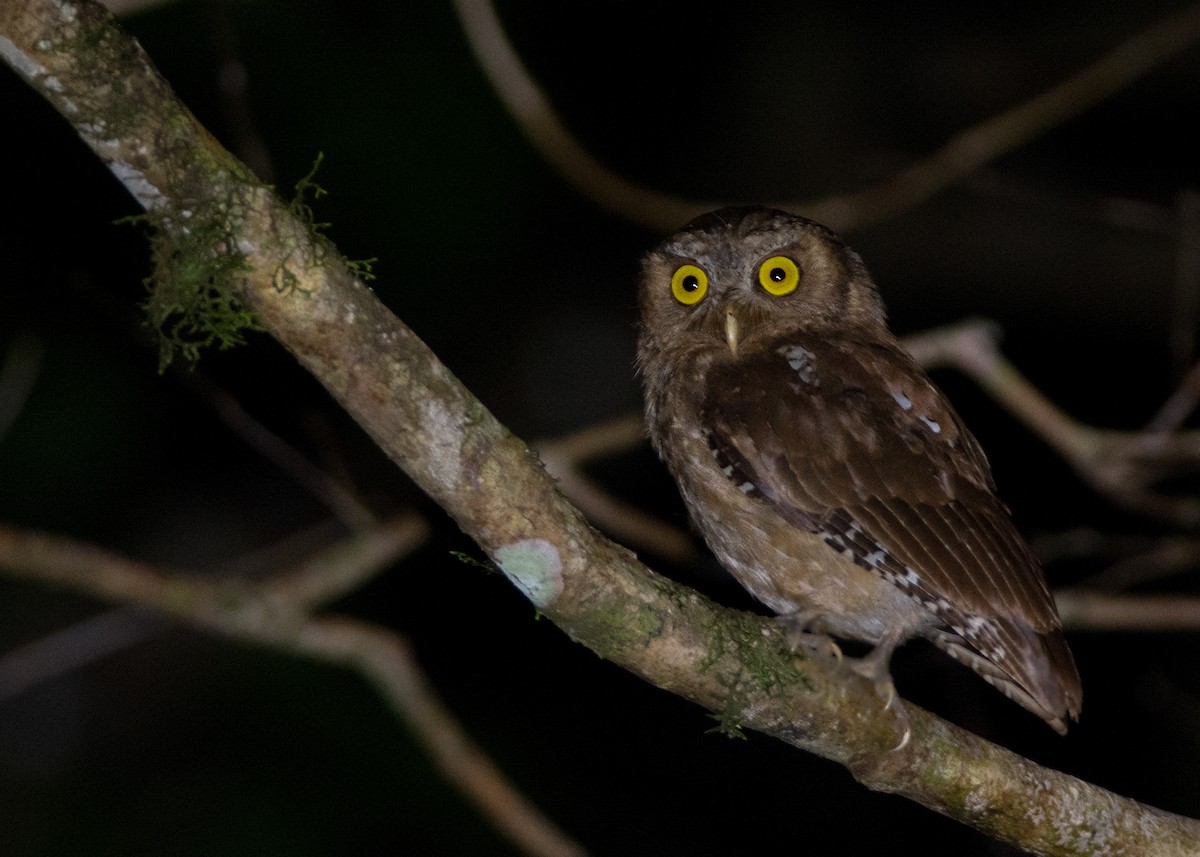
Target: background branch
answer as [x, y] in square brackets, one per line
[958, 158]
[276, 616]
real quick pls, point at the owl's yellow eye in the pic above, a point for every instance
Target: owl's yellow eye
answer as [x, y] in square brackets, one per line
[689, 284]
[779, 276]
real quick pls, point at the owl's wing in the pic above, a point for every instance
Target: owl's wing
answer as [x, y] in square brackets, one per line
[852, 441]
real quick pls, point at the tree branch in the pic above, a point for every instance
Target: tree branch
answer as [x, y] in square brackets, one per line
[962, 155]
[733, 663]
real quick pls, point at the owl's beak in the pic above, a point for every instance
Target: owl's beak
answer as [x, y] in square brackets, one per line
[731, 331]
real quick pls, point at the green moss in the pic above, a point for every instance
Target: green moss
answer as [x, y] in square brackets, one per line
[763, 665]
[198, 271]
[193, 302]
[307, 189]
[611, 633]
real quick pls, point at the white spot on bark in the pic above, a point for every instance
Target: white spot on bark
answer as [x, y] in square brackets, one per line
[535, 567]
[933, 425]
[52, 83]
[246, 248]
[43, 44]
[68, 11]
[137, 184]
[902, 400]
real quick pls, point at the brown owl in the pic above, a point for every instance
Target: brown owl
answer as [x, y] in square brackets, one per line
[823, 467]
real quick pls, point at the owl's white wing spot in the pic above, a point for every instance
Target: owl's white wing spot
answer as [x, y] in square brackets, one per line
[801, 361]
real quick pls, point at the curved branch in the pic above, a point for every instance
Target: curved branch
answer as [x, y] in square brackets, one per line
[487, 479]
[962, 155]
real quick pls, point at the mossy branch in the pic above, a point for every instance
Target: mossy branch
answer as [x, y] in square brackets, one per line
[488, 481]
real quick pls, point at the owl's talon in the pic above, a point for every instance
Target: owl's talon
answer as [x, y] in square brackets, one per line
[889, 695]
[801, 635]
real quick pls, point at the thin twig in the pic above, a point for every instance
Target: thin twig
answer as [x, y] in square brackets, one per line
[987, 141]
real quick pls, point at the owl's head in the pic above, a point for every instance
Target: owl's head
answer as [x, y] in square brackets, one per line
[740, 276]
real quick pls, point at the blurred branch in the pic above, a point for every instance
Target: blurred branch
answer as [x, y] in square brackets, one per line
[1123, 466]
[1134, 559]
[52, 655]
[486, 478]
[962, 155]
[325, 574]
[564, 458]
[277, 615]
[1083, 610]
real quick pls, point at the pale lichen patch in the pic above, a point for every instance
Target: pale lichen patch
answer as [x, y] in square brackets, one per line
[535, 567]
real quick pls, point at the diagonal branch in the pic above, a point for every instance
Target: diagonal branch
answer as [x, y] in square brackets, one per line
[103, 84]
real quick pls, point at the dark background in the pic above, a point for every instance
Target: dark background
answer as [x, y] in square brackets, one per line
[185, 744]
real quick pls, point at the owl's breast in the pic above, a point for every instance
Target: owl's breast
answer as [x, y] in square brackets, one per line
[785, 566]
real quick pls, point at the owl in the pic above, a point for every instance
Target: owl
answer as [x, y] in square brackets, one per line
[822, 466]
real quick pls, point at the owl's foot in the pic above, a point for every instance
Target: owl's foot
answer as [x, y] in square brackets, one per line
[803, 634]
[874, 668]
[802, 637]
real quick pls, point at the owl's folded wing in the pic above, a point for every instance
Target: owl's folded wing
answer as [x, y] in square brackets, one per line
[853, 442]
